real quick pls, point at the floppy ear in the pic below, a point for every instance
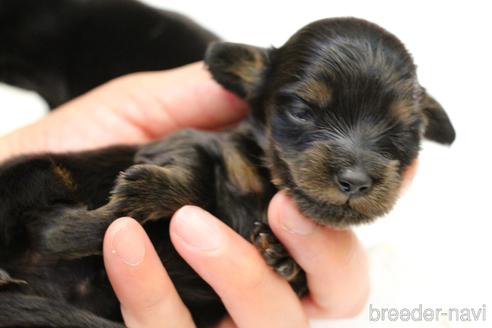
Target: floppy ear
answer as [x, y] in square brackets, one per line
[438, 127]
[237, 67]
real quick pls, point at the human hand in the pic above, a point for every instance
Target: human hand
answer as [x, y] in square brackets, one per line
[334, 261]
[131, 109]
[254, 295]
[140, 107]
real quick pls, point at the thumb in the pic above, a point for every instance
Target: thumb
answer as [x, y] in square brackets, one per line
[162, 102]
[132, 109]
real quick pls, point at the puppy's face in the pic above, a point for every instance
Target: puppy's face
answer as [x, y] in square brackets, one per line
[343, 112]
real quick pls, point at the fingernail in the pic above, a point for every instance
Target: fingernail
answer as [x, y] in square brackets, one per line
[291, 219]
[128, 243]
[197, 228]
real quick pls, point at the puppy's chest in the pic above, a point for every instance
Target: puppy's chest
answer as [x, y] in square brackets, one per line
[243, 189]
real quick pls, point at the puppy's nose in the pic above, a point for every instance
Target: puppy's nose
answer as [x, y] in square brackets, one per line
[353, 181]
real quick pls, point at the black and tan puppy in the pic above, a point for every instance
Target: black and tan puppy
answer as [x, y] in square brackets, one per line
[337, 114]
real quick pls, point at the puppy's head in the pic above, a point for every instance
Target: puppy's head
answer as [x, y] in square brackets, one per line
[343, 112]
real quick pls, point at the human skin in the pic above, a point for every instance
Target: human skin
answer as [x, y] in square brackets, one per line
[145, 106]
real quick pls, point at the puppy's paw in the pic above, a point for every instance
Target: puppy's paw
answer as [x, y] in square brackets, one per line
[150, 192]
[274, 252]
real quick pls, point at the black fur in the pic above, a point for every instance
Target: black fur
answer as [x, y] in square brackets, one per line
[340, 96]
[45, 43]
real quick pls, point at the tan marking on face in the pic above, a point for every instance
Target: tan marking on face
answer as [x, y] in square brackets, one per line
[407, 111]
[316, 92]
[241, 172]
[65, 176]
[311, 174]
[382, 197]
[403, 110]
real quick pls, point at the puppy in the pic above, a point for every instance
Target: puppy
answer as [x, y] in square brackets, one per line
[337, 114]
[64, 48]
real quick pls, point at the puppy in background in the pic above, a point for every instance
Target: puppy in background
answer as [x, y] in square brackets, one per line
[64, 48]
[337, 115]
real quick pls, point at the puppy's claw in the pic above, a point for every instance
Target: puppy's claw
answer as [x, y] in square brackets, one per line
[265, 240]
[277, 251]
[259, 224]
[288, 269]
[6, 279]
[274, 252]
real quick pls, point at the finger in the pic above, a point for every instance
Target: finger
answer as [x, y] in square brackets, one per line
[146, 294]
[252, 293]
[334, 261]
[184, 97]
[132, 109]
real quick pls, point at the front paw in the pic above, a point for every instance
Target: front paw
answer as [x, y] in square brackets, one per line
[275, 253]
[148, 192]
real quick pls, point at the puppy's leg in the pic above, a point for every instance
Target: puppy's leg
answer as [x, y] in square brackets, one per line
[70, 232]
[144, 192]
[278, 258]
[35, 188]
[18, 310]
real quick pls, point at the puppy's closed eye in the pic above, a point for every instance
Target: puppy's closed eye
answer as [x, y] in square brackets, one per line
[296, 109]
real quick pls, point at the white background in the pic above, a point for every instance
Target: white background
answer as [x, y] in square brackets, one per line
[434, 248]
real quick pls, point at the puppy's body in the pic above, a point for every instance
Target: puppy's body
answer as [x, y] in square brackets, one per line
[220, 172]
[337, 115]
[64, 48]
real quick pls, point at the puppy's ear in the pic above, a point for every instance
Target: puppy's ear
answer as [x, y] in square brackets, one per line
[237, 67]
[438, 127]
